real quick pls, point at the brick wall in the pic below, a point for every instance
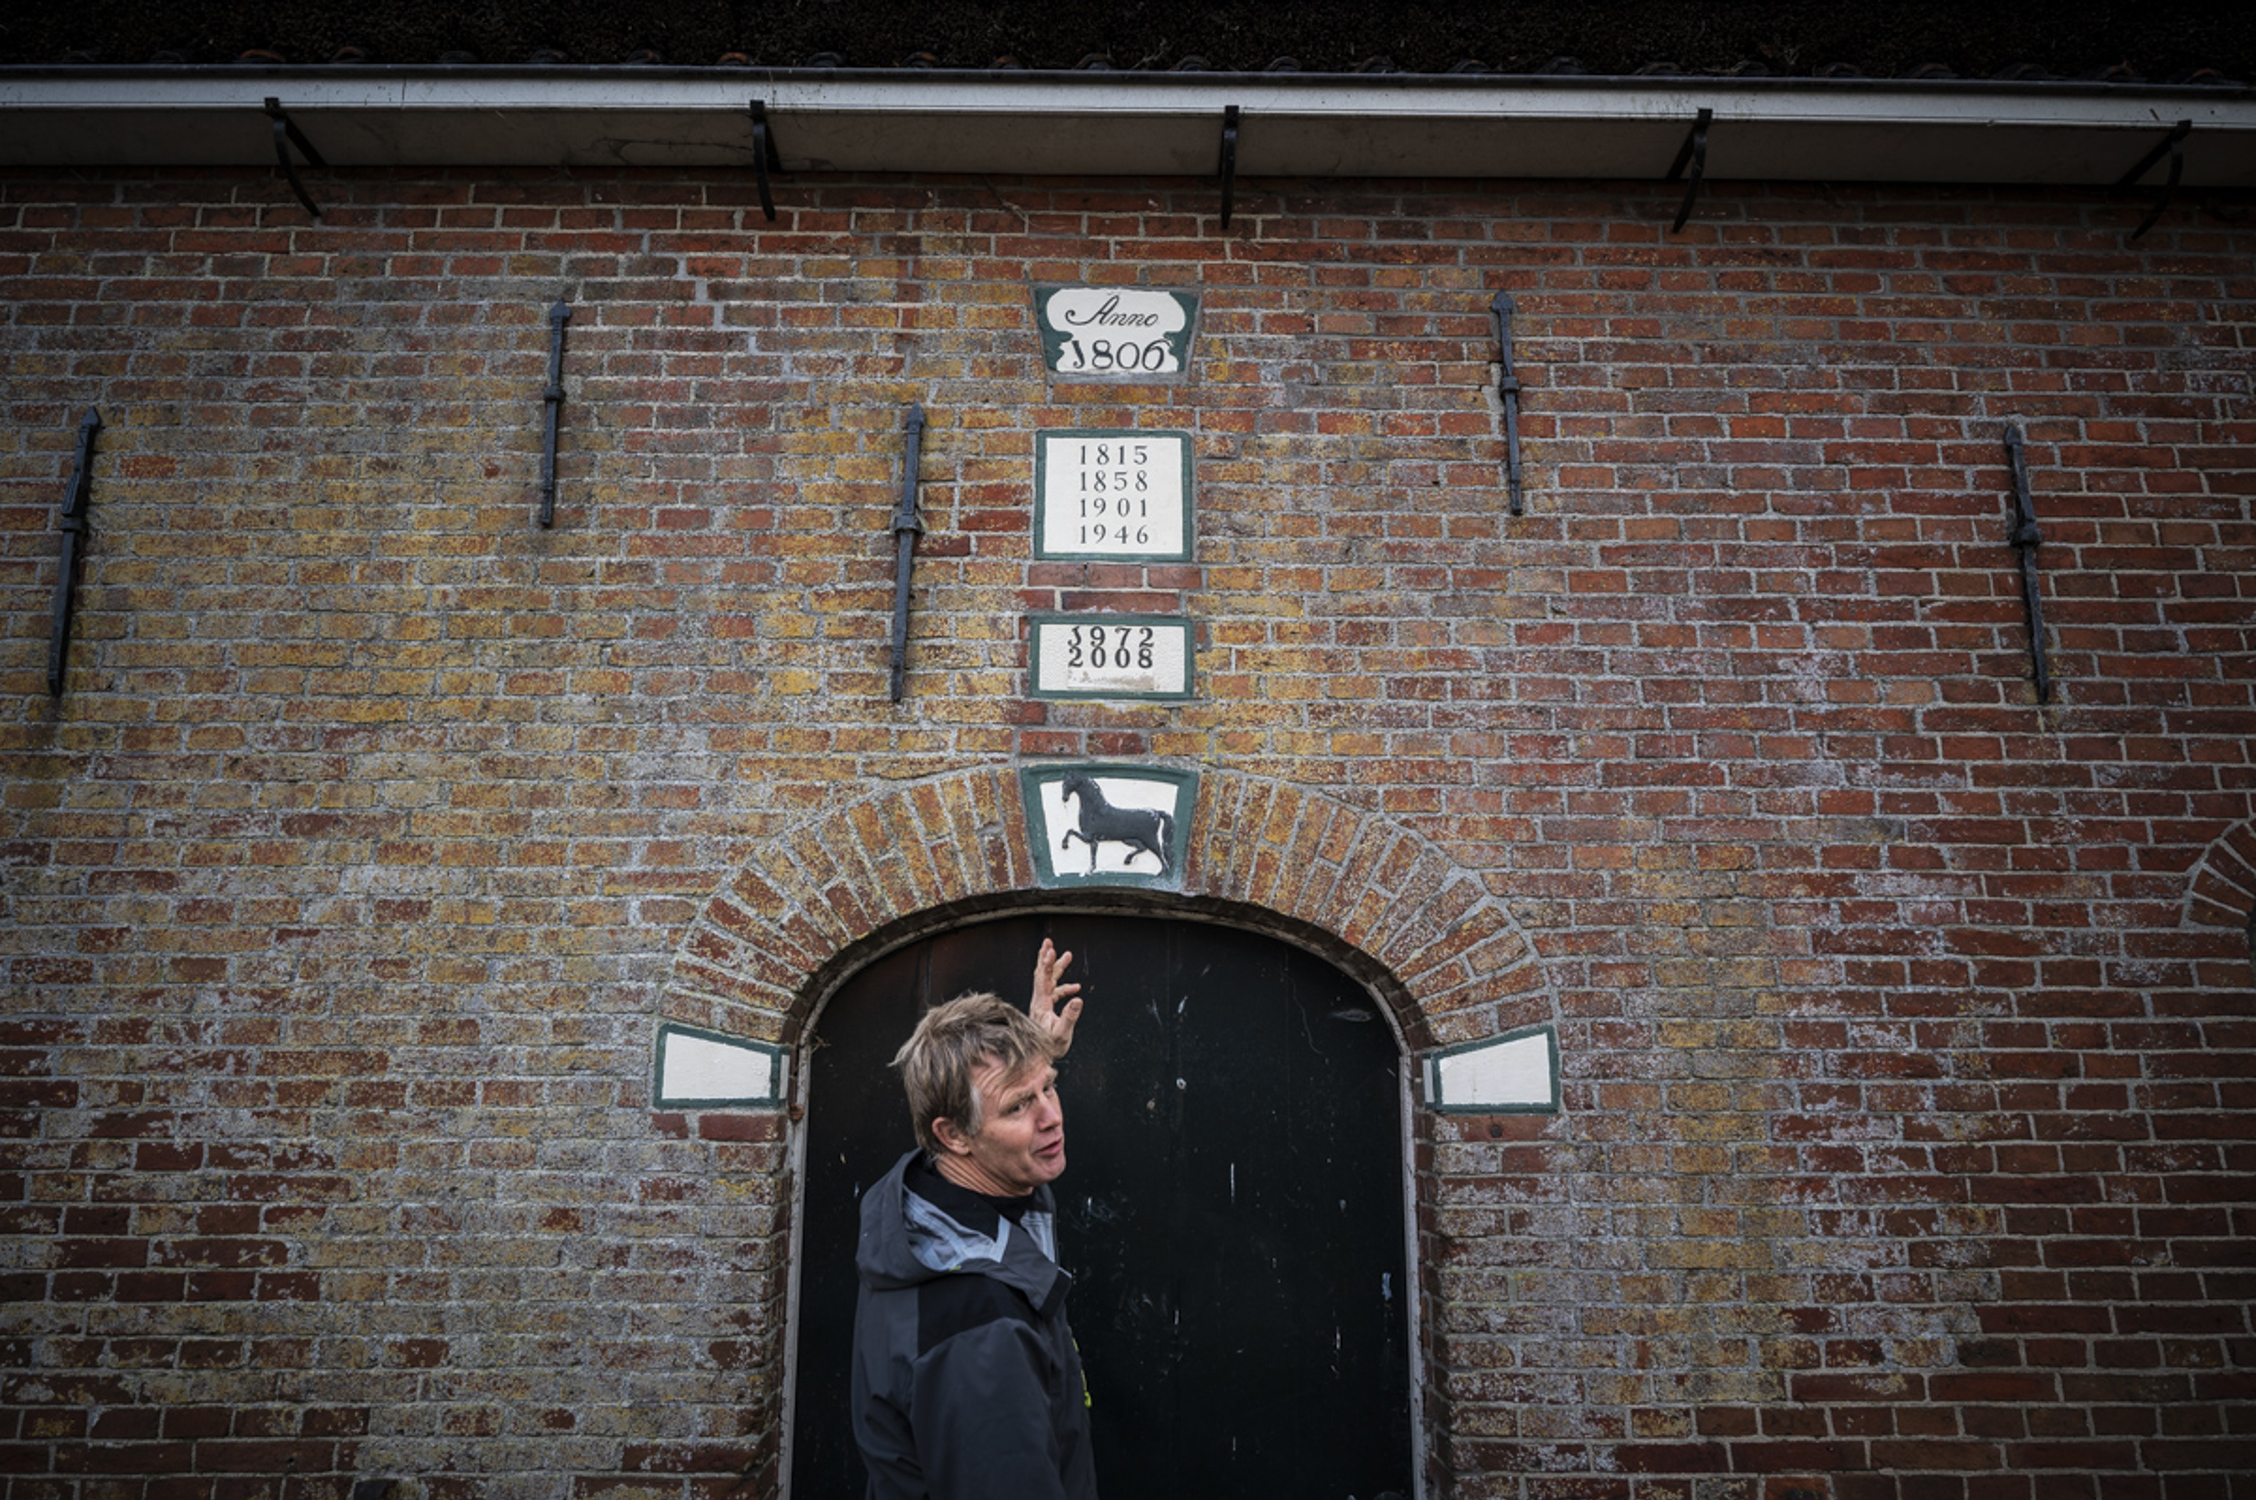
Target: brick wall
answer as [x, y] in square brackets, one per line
[1906, 1024]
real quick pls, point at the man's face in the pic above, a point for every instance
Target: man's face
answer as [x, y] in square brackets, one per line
[1021, 1140]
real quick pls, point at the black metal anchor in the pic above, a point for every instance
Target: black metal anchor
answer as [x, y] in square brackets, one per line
[1508, 386]
[74, 529]
[2025, 538]
[906, 528]
[553, 398]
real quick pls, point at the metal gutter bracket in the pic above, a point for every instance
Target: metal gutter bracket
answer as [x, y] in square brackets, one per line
[906, 529]
[1693, 151]
[764, 157]
[1508, 387]
[286, 135]
[2174, 143]
[552, 397]
[2025, 538]
[72, 522]
[1229, 164]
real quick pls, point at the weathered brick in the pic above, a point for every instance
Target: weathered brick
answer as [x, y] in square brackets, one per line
[1904, 1021]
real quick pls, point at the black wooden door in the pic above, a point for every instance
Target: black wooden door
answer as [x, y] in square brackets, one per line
[1231, 1208]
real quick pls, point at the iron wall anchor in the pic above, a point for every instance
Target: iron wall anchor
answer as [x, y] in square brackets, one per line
[73, 524]
[286, 135]
[906, 528]
[2025, 538]
[1508, 386]
[552, 397]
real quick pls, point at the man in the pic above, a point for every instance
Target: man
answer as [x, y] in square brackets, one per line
[966, 1381]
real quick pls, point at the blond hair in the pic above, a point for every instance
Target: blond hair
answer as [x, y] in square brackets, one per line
[953, 1041]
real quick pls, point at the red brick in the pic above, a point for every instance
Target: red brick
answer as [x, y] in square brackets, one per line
[1904, 1023]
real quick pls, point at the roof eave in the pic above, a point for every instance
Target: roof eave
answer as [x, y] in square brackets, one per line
[1115, 124]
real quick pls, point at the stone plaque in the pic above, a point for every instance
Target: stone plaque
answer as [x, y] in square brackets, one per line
[1110, 656]
[1101, 493]
[1517, 1073]
[707, 1070]
[1108, 825]
[1115, 332]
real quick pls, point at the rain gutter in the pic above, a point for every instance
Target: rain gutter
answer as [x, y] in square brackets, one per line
[1113, 124]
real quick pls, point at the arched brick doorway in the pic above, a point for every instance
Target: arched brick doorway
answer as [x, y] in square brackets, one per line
[1233, 1211]
[820, 900]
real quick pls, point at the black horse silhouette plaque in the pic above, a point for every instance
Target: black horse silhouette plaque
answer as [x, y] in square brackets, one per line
[1108, 825]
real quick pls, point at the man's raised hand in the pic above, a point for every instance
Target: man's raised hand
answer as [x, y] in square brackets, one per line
[1057, 1024]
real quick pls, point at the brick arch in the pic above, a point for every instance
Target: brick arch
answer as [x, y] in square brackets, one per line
[2222, 892]
[918, 856]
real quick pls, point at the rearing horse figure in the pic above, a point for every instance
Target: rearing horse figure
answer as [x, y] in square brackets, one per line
[1144, 828]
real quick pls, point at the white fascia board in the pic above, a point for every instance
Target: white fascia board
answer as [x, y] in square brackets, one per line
[1126, 124]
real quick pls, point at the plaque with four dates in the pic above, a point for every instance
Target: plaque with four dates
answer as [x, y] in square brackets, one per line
[1106, 493]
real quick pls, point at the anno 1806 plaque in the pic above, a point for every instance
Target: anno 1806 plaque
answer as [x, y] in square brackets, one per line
[1115, 332]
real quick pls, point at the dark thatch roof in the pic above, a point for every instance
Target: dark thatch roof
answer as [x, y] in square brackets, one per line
[2153, 40]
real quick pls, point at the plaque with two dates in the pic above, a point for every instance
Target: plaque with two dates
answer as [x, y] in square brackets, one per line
[1105, 493]
[1110, 656]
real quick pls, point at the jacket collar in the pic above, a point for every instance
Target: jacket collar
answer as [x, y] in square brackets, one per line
[908, 1239]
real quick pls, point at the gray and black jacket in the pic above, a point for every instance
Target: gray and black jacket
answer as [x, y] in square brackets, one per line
[967, 1385]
